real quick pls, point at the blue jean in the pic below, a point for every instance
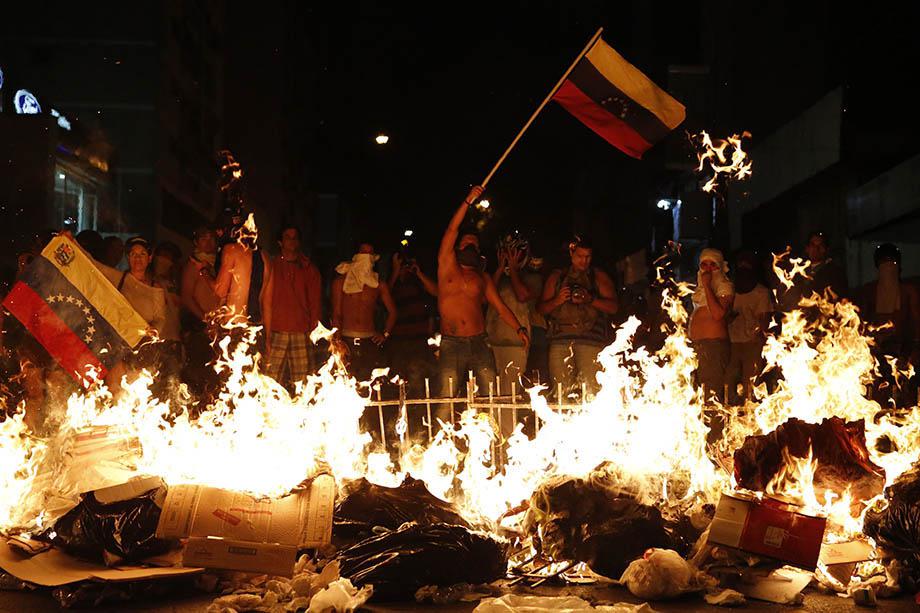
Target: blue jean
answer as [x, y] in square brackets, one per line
[573, 363]
[461, 354]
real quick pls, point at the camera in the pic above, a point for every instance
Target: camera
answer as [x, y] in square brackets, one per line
[580, 293]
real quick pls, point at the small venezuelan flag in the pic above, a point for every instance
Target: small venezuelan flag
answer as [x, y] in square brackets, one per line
[613, 98]
[73, 310]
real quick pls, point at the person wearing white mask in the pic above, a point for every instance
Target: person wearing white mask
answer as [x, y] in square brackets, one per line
[712, 301]
[889, 300]
[355, 294]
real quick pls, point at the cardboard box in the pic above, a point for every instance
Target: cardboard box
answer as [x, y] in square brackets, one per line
[769, 528]
[235, 531]
[840, 559]
[52, 567]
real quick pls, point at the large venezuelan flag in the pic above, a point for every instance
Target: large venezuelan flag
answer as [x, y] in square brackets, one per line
[613, 98]
[73, 310]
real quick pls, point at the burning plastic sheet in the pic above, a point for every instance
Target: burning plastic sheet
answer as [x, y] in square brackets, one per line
[838, 448]
[366, 506]
[594, 521]
[896, 528]
[115, 525]
[401, 561]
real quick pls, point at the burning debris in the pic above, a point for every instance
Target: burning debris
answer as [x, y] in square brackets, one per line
[721, 165]
[598, 485]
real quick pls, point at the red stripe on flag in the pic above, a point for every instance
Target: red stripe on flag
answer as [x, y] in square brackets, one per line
[607, 126]
[50, 330]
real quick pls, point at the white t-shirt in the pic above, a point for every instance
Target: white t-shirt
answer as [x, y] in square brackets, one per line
[749, 308]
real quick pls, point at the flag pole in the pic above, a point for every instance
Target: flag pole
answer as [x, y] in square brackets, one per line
[546, 100]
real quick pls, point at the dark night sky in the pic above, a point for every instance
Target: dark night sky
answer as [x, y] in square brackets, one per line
[452, 83]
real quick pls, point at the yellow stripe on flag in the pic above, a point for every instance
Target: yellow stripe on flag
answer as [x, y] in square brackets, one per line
[96, 288]
[630, 80]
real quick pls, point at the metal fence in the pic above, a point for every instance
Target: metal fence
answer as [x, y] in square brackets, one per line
[505, 409]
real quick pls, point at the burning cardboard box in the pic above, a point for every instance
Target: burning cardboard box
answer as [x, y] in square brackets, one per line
[769, 528]
[234, 531]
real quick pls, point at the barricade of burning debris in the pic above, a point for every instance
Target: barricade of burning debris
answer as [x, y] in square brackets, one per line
[403, 543]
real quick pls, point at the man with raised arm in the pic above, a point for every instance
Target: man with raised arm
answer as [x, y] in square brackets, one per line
[463, 289]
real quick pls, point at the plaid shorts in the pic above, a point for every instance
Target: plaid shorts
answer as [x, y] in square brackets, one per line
[291, 349]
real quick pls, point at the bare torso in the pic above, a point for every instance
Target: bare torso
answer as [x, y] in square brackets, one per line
[237, 264]
[358, 311]
[461, 292]
[704, 326]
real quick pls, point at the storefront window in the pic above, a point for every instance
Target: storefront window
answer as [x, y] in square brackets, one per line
[76, 201]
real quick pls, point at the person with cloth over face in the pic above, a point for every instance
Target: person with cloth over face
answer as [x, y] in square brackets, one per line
[712, 301]
[893, 306]
[463, 287]
[747, 325]
[355, 294]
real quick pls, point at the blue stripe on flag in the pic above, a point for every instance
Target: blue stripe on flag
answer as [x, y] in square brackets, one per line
[75, 310]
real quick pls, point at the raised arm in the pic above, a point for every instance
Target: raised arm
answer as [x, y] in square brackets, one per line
[446, 256]
[606, 299]
[521, 291]
[504, 312]
[718, 307]
[427, 282]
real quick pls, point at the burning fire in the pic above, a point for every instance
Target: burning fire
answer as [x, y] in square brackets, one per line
[647, 424]
[736, 165]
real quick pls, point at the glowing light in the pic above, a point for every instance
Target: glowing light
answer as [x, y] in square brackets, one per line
[61, 176]
[62, 121]
[404, 243]
[382, 139]
[26, 103]
[483, 205]
[664, 205]
[408, 233]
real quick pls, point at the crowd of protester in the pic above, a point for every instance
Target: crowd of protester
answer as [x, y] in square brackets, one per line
[504, 320]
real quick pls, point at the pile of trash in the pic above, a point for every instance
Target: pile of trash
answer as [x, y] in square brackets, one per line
[326, 549]
[596, 521]
[310, 589]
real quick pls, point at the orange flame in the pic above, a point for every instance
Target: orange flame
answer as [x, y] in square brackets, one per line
[736, 166]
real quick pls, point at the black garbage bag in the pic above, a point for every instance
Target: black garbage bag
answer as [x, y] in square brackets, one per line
[110, 533]
[401, 561]
[366, 506]
[896, 529]
[594, 521]
[93, 594]
[839, 448]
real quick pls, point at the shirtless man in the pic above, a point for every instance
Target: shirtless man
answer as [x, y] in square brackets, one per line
[244, 282]
[463, 288]
[198, 297]
[712, 301]
[355, 293]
